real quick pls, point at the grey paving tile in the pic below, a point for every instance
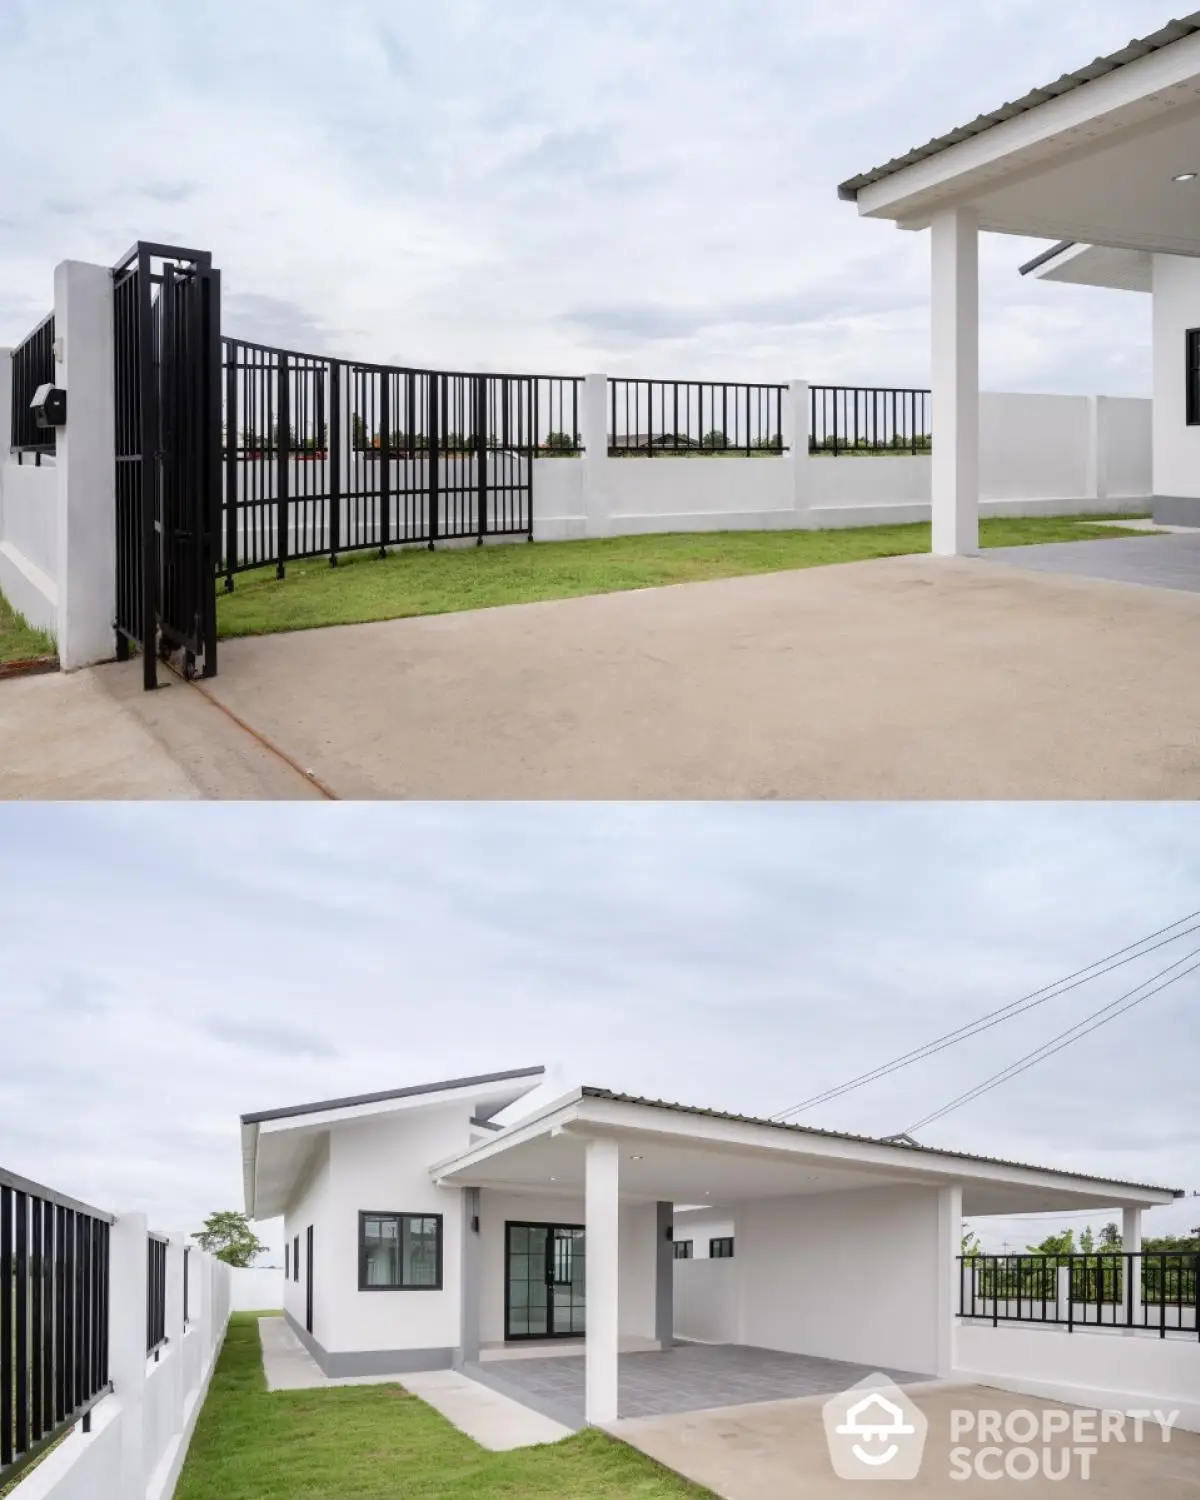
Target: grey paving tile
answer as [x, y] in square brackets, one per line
[1165, 562]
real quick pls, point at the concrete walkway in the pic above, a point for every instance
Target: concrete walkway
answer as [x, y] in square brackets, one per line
[492, 1420]
[778, 1451]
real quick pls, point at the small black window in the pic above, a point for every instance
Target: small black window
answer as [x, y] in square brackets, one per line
[286, 1263]
[399, 1252]
[296, 1259]
[721, 1249]
[683, 1249]
[1193, 377]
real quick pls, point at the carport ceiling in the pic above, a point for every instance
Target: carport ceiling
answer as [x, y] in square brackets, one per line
[654, 1169]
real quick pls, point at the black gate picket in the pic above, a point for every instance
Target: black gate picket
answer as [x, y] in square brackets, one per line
[167, 332]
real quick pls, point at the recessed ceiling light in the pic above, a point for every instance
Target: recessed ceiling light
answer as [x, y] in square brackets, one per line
[1185, 177]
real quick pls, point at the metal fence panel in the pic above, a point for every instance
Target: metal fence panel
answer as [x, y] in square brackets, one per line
[32, 365]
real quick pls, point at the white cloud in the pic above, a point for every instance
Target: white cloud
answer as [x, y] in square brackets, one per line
[649, 188]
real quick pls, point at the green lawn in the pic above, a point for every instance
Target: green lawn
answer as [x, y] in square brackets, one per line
[376, 1442]
[19, 641]
[416, 581]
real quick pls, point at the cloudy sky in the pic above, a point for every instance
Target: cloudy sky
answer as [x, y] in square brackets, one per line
[642, 186]
[165, 969]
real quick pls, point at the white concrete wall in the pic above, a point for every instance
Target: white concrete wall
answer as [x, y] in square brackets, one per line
[310, 1207]
[1039, 455]
[707, 1300]
[637, 1231]
[1176, 309]
[849, 1276]
[29, 538]
[1115, 1371]
[256, 1288]
[140, 1433]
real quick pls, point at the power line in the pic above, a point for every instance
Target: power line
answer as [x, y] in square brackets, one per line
[1102, 1017]
[983, 1023]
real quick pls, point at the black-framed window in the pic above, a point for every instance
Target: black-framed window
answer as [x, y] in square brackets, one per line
[287, 1265]
[721, 1249]
[296, 1259]
[1193, 377]
[683, 1249]
[399, 1252]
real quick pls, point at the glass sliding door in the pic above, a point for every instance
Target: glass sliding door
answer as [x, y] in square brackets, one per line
[545, 1281]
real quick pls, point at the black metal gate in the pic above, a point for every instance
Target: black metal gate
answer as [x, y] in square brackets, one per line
[167, 339]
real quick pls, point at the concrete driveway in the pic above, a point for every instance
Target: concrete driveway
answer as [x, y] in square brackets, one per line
[1161, 562]
[904, 678]
[777, 1451]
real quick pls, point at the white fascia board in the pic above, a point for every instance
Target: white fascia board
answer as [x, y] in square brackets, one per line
[1098, 105]
[249, 1166]
[558, 1114]
[906, 1162]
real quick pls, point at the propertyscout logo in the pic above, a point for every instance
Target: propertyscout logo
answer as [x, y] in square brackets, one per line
[875, 1431]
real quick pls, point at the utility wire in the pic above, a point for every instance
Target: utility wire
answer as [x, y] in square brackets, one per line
[1031, 1001]
[1075, 1033]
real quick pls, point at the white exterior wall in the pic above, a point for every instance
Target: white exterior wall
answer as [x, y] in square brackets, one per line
[29, 538]
[380, 1165]
[1126, 447]
[1176, 309]
[702, 1227]
[850, 1276]
[1115, 1371]
[707, 1300]
[637, 1232]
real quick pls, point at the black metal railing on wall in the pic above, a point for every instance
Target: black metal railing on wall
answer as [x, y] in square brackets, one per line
[54, 1308]
[325, 456]
[32, 365]
[156, 1293]
[1158, 1291]
[694, 417]
[849, 420]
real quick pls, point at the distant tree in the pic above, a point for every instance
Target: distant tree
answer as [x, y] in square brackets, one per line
[358, 432]
[560, 442]
[1087, 1241]
[1055, 1245]
[970, 1242]
[1110, 1238]
[228, 1236]
[714, 439]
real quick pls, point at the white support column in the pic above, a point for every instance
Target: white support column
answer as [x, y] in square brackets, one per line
[603, 1291]
[593, 427]
[85, 460]
[955, 318]
[1097, 455]
[949, 1242]
[127, 1342]
[1131, 1244]
[796, 430]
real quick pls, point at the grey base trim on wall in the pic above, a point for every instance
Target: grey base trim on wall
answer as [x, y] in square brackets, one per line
[340, 1363]
[1177, 510]
[486, 1375]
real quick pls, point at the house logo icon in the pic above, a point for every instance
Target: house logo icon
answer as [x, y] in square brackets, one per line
[875, 1432]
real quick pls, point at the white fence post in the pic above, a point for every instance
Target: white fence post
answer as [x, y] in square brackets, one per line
[176, 1371]
[5, 407]
[127, 1343]
[1063, 1289]
[796, 434]
[1097, 451]
[1131, 1244]
[593, 422]
[949, 1244]
[86, 465]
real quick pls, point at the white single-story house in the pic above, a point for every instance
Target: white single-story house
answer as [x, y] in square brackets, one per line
[1105, 160]
[423, 1234]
